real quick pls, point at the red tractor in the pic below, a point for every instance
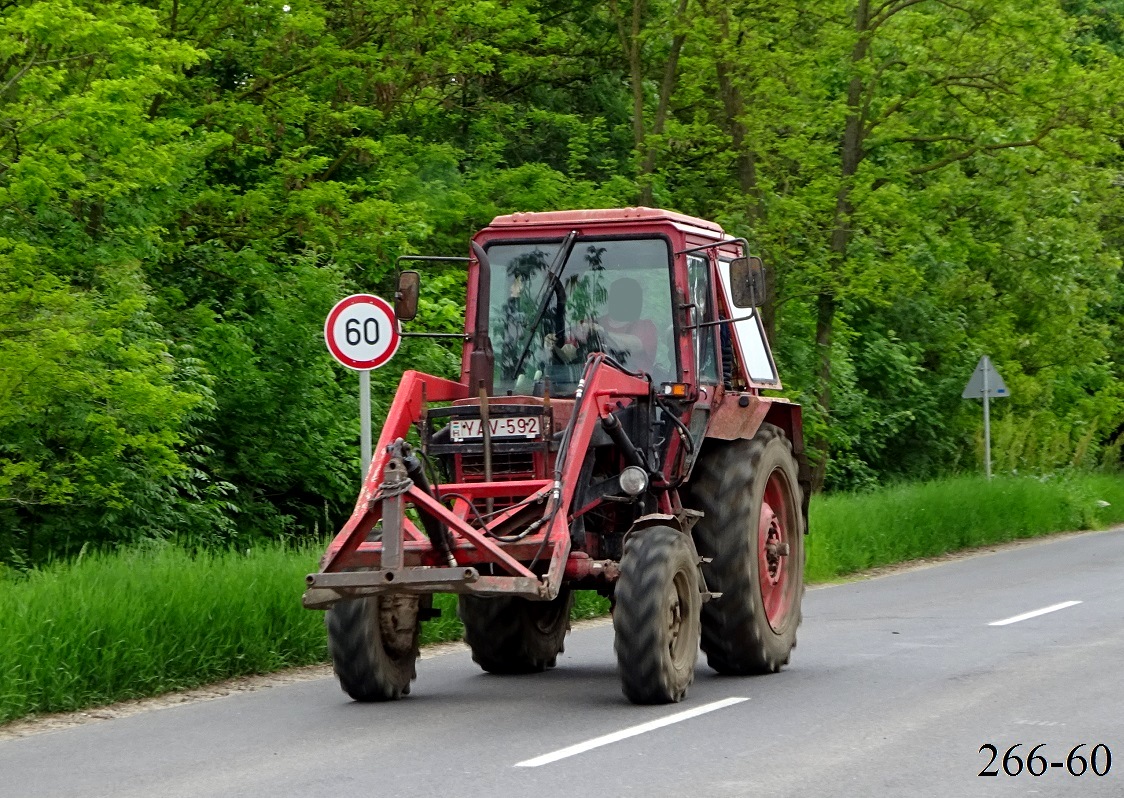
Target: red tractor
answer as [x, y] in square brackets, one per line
[607, 433]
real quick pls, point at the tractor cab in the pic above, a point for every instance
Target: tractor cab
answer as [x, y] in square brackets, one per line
[654, 290]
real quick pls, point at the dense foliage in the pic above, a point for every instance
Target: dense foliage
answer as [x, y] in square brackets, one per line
[186, 186]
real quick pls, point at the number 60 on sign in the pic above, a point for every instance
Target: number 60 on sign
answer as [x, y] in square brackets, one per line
[362, 332]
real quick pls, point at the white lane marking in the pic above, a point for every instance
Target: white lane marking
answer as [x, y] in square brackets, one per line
[624, 734]
[1034, 613]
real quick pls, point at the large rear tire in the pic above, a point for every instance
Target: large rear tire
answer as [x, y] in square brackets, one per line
[753, 531]
[514, 635]
[656, 616]
[374, 645]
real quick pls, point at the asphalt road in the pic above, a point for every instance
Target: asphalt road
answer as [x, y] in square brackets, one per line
[895, 686]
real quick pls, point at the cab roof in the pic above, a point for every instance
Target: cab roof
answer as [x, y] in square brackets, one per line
[603, 216]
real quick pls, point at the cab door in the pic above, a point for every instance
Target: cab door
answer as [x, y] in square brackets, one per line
[748, 336]
[704, 336]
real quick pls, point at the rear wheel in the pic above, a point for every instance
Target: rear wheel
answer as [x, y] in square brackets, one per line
[374, 645]
[753, 530]
[515, 635]
[656, 616]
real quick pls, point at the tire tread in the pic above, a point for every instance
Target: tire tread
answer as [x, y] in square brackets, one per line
[736, 636]
[648, 674]
[366, 670]
[504, 635]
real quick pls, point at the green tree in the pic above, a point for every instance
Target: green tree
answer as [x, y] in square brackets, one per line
[94, 403]
[856, 141]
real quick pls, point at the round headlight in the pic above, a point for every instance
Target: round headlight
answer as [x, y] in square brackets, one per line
[634, 480]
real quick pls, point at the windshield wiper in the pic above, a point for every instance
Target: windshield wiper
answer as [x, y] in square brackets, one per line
[550, 285]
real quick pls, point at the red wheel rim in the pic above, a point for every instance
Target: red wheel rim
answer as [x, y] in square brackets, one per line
[774, 548]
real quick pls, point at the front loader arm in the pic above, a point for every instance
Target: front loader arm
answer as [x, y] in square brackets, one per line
[405, 560]
[414, 390]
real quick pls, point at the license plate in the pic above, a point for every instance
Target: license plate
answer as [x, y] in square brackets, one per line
[511, 427]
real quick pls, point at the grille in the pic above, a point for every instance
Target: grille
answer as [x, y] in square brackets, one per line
[512, 464]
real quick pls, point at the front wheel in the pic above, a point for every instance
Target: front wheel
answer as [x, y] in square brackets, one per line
[515, 635]
[374, 645]
[753, 532]
[656, 615]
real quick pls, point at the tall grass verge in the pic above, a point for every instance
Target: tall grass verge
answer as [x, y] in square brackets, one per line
[126, 625]
[114, 626]
[850, 532]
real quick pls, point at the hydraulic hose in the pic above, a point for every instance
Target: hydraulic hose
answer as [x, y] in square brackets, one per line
[434, 529]
[612, 425]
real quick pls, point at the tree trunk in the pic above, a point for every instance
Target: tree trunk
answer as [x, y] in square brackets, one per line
[745, 169]
[825, 320]
[630, 42]
[851, 155]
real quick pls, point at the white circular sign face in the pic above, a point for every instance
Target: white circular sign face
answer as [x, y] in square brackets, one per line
[362, 332]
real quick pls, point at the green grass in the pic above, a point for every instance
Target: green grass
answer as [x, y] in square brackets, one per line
[113, 626]
[851, 532]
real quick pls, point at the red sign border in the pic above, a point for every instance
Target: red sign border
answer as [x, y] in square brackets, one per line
[340, 307]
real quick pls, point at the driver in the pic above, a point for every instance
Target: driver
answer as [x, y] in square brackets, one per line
[619, 332]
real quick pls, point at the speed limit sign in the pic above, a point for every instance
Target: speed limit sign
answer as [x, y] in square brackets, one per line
[362, 332]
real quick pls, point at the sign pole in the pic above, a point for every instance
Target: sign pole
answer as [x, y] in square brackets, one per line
[361, 332]
[987, 421]
[985, 383]
[365, 421]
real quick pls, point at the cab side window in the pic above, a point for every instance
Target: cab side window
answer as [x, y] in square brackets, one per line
[706, 350]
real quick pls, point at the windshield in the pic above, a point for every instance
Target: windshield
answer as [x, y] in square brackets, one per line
[614, 296]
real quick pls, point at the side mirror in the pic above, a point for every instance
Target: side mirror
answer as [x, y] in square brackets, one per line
[406, 298]
[747, 282]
